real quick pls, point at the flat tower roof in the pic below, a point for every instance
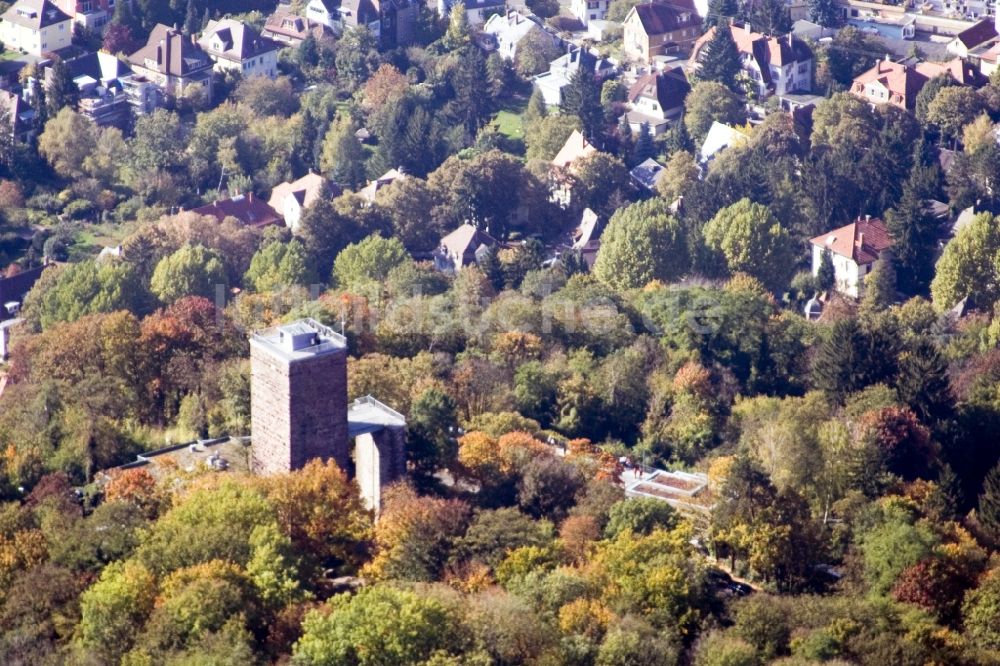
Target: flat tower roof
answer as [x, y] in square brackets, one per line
[299, 340]
[369, 415]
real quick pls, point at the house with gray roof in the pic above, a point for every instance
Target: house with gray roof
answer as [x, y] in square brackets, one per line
[167, 67]
[36, 27]
[562, 69]
[507, 30]
[237, 47]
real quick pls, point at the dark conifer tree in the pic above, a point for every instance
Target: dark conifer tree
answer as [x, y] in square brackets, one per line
[720, 59]
[644, 146]
[988, 512]
[192, 25]
[61, 90]
[721, 11]
[582, 98]
[826, 276]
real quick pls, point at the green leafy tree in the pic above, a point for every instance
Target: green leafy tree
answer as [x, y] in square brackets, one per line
[719, 59]
[752, 241]
[601, 182]
[114, 608]
[680, 173]
[80, 289]
[619, 9]
[534, 53]
[379, 625]
[709, 102]
[543, 8]
[431, 443]
[888, 549]
[193, 270]
[929, 92]
[343, 156]
[981, 610]
[968, 266]
[547, 135]
[953, 108]
[640, 515]
[642, 242]
[880, 288]
[360, 264]
[67, 141]
[279, 265]
[207, 524]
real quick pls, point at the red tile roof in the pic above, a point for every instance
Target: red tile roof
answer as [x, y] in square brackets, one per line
[903, 82]
[248, 209]
[765, 49]
[862, 240]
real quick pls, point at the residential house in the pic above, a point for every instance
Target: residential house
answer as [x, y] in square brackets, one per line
[562, 69]
[798, 10]
[854, 250]
[962, 70]
[13, 289]
[477, 12]
[659, 28]
[898, 84]
[166, 68]
[889, 82]
[98, 78]
[20, 115]
[804, 29]
[589, 10]
[980, 34]
[462, 247]
[391, 21]
[291, 199]
[36, 27]
[989, 60]
[237, 47]
[647, 174]
[248, 209]
[657, 98]
[576, 147]
[776, 65]
[92, 15]
[587, 237]
[291, 29]
[509, 29]
[719, 138]
[385, 180]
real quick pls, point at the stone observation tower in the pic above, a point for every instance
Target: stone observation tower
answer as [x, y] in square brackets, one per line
[299, 410]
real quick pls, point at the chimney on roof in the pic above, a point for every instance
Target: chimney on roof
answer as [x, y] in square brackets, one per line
[868, 218]
[861, 239]
[159, 53]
